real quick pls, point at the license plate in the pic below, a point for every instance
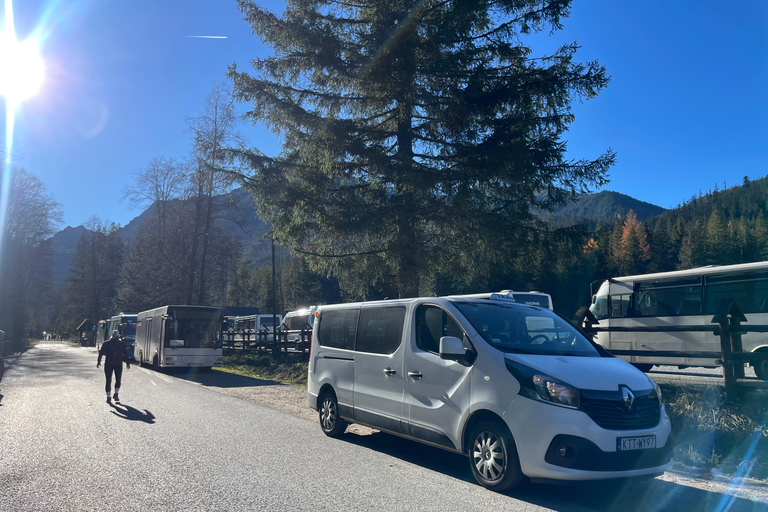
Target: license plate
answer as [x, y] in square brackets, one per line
[635, 443]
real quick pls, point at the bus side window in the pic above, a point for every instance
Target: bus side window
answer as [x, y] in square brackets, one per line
[620, 306]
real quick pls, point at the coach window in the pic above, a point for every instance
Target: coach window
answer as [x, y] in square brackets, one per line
[620, 305]
[380, 330]
[432, 323]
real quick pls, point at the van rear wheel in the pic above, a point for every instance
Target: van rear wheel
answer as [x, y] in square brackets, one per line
[493, 457]
[330, 421]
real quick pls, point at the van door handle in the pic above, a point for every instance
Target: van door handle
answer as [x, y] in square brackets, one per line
[415, 375]
[389, 371]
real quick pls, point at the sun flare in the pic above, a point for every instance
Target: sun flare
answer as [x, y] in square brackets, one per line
[21, 68]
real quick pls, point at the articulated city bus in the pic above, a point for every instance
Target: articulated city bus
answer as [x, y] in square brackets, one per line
[179, 337]
[681, 298]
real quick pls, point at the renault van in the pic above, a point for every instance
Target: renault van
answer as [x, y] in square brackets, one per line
[515, 387]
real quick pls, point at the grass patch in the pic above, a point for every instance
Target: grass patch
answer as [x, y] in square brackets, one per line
[712, 433]
[291, 368]
[708, 432]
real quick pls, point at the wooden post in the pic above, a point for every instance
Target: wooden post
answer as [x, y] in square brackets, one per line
[729, 377]
[735, 329]
[728, 318]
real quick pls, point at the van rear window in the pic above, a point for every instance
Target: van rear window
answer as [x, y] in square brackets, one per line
[337, 328]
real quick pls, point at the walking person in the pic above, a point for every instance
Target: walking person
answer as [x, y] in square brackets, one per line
[115, 353]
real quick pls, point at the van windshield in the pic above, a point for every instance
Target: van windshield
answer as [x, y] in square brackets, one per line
[525, 329]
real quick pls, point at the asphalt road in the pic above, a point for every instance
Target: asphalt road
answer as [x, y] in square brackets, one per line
[176, 444]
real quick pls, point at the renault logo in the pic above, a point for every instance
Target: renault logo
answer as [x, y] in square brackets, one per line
[628, 397]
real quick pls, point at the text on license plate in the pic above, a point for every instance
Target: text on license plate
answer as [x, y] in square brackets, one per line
[635, 443]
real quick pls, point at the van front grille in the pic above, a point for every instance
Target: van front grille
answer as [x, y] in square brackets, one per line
[610, 412]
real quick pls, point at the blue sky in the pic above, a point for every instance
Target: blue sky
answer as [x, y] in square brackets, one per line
[684, 110]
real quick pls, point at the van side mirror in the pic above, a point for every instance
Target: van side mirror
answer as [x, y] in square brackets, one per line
[452, 348]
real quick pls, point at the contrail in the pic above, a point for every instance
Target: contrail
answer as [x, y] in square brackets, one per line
[208, 37]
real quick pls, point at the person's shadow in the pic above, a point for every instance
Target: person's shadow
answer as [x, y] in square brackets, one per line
[129, 413]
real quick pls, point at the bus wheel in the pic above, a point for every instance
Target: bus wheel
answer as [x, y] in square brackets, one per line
[330, 421]
[761, 368]
[493, 456]
[643, 367]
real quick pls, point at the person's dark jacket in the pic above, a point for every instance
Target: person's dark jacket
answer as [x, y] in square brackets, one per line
[115, 352]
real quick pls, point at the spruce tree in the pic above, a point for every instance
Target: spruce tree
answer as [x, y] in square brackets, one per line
[413, 132]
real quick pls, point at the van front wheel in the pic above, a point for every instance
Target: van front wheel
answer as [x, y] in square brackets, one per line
[493, 457]
[330, 421]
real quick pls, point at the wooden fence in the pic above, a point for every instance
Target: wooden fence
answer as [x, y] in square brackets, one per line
[727, 324]
[264, 339]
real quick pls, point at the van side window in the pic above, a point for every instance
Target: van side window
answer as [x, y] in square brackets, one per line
[337, 328]
[381, 330]
[432, 323]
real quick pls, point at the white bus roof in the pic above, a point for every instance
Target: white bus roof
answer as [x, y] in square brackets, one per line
[698, 271]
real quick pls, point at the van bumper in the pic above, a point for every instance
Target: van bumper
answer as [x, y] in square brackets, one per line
[565, 444]
[312, 400]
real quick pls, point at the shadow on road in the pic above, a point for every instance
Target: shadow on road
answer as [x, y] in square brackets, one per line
[1, 399]
[218, 379]
[129, 413]
[651, 495]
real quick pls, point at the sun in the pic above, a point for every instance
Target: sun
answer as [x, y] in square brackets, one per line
[21, 68]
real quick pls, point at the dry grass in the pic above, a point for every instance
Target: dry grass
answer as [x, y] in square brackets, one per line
[290, 368]
[714, 433]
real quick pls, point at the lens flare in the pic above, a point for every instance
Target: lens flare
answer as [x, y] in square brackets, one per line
[21, 68]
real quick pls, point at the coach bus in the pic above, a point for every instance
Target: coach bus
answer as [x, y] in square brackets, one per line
[179, 337]
[681, 298]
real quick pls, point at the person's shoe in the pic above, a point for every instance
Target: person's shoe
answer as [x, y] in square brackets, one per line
[115, 397]
[109, 400]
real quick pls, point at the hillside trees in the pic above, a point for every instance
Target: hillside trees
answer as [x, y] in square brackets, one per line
[93, 278]
[30, 218]
[414, 133]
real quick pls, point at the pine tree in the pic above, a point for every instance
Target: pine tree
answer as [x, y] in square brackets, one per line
[717, 246]
[413, 131]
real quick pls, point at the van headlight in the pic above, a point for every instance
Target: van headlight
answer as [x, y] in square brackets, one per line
[541, 387]
[551, 390]
[657, 389]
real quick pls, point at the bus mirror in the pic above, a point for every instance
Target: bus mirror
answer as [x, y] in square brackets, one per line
[594, 297]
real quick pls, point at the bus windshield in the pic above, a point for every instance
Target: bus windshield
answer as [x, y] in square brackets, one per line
[193, 328]
[525, 329]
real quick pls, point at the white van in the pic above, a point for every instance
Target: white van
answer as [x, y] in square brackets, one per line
[515, 387]
[296, 321]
